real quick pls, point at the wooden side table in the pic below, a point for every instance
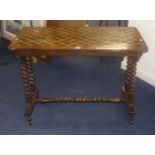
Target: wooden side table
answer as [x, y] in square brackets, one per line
[84, 41]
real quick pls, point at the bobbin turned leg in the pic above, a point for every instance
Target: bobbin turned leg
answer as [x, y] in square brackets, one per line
[129, 87]
[30, 89]
[34, 89]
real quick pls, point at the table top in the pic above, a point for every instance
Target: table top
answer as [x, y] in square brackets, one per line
[82, 41]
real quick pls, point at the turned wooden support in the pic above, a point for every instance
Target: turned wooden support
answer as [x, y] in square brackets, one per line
[129, 88]
[31, 76]
[30, 73]
[30, 89]
[81, 100]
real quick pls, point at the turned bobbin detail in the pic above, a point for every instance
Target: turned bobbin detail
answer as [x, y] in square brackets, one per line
[129, 87]
[30, 89]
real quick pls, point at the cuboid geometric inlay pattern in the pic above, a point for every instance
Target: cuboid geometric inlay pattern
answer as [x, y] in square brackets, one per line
[102, 38]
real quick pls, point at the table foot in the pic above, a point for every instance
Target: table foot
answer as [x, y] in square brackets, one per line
[132, 117]
[131, 112]
[30, 122]
[28, 114]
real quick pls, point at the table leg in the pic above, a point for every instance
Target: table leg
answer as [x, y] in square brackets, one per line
[30, 89]
[129, 88]
[30, 71]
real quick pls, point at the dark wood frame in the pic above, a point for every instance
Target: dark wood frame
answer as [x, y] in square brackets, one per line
[32, 92]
